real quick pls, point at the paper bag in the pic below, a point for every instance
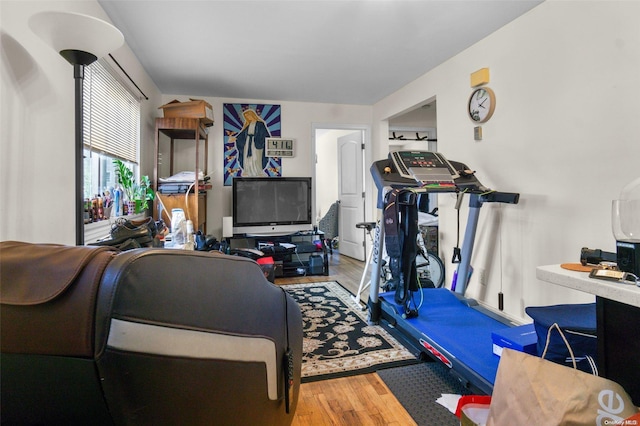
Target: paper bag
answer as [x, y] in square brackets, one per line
[532, 391]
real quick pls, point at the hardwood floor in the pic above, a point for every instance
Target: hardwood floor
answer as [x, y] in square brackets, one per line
[357, 400]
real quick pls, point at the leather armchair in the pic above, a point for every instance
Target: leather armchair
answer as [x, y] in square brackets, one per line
[148, 336]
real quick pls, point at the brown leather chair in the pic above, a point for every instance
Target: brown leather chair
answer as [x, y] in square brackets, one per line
[149, 336]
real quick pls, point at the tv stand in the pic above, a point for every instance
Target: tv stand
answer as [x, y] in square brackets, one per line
[292, 253]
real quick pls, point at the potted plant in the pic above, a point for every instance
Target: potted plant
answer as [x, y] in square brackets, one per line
[143, 193]
[137, 194]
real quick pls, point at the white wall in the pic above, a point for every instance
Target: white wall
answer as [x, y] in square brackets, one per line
[419, 117]
[37, 125]
[327, 169]
[564, 135]
[298, 118]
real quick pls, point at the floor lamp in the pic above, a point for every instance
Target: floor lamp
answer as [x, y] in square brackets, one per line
[81, 40]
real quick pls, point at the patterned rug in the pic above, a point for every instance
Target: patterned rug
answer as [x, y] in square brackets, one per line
[338, 341]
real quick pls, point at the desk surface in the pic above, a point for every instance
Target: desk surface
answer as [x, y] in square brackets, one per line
[624, 293]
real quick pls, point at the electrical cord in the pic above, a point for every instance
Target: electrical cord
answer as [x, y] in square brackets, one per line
[287, 367]
[186, 200]
[300, 260]
[186, 194]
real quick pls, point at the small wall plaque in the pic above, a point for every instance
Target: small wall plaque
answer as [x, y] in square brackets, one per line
[477, 133]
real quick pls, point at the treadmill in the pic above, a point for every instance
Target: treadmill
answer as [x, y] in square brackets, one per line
[445, 325]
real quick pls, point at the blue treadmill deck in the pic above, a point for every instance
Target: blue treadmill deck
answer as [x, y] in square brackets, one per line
[460, 333]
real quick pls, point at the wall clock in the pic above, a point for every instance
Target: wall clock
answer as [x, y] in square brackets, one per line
[278, 147]
[481, 105]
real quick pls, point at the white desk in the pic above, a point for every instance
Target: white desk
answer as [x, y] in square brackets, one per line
[612, 290]
[618, 322]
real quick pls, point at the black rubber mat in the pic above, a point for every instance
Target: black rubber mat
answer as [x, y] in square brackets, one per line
[418, 386]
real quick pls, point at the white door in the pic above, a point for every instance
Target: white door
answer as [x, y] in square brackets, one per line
[351, 195]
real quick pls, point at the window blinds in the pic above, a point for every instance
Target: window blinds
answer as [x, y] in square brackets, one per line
[111, 115]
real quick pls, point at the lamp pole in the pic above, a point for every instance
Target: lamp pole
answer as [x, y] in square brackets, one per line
[78, 75]
[79, 59]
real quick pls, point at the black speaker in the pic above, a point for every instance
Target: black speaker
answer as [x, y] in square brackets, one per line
[316, 265]
[628, 257]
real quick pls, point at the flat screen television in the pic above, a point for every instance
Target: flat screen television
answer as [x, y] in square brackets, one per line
[271, 205]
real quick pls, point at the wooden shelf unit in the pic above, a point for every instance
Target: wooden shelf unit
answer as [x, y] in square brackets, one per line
[182, 131]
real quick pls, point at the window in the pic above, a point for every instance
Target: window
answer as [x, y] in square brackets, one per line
[111, 128]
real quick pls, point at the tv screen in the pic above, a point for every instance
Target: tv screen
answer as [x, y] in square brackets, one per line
[271, 205]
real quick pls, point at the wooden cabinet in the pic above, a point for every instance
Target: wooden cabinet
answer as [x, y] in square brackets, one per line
[181, 146]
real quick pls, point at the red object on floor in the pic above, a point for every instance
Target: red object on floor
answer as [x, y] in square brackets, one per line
[472, 399]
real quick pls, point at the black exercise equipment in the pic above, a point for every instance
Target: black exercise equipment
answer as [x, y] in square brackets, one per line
[448, 326]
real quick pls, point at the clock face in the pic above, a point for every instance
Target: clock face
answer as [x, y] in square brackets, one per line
[482, 104]
[280, 144]
[278, 147]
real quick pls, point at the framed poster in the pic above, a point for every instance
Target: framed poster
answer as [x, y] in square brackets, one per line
[246, 130]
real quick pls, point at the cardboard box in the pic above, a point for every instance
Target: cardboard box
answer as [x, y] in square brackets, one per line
[522, 338]
[193, 109]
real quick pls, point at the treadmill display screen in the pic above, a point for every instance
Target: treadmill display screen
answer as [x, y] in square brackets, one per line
[420, 159]
[426, 167]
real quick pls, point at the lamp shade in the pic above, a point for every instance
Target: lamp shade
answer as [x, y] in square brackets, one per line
[75, 32]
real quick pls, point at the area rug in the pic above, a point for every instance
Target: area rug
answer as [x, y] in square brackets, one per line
[338, 341]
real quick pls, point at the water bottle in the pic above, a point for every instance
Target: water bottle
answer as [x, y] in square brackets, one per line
[117, 203]
[178, 226]
[189, 243]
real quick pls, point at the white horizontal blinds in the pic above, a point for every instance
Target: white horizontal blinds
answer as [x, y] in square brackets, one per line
[111, 115]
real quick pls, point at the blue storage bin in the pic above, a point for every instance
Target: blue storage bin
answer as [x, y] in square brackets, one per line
[578, 324]
[521, 338]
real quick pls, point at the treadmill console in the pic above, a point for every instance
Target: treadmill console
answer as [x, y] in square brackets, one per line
[425, 171]
[428, 169]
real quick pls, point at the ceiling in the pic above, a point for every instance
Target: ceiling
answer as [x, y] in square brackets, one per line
[343, 52]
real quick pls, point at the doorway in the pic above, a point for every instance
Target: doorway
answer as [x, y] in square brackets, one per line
[339, 177]
[416, 129]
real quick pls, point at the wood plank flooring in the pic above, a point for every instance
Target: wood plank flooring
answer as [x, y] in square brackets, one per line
[356, 400]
